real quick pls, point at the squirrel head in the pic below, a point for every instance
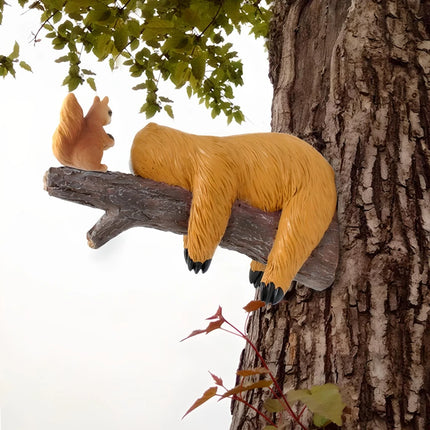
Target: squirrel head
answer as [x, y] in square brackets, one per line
[100, 111]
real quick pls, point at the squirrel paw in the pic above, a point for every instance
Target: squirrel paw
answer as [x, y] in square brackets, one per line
[270, 293]
[255, 277]
[196, 265]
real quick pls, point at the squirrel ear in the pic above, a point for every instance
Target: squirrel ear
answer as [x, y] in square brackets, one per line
[96, 99]
[105, 100]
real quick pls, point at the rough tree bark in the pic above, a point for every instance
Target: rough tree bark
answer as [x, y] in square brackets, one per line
[352, 77]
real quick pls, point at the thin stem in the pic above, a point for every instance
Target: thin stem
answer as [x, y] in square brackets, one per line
[212, 21]
[231, 332]
[43, 25]
[301, 412]
[240, 399]
[275, 382]
[207, 27]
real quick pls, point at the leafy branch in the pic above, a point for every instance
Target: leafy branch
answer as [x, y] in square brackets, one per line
[324, 401]
[7, 63]
[184, 42]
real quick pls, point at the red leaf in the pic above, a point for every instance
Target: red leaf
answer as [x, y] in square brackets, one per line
[214, 325]
[217, 380]
[241, 388]
[208, 394]
[218, 315]
[254, 305]
[194, 333]
[249, 372]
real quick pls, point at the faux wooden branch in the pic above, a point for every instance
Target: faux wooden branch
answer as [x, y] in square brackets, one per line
[132, 201]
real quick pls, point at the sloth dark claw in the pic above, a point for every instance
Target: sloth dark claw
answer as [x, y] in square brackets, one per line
[255, 277]
[205, 265]
[196, 265]
[270, 293]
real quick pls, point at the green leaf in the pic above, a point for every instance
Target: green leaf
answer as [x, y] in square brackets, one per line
[100, 14]
[134, 44]
[120, 37]
[180, 74]
[92, 83]
[169, 110]
[141, 86]
[128, 62]
[232, 10]
[65, 28]
[192, 16]
[216, 110]
[156, 27]
[15, 53]
[198, 67]
[11, 70]
[320, 421]
[57, 17]
[74, 83]
[165, 99]
[238, 116]
[324, 400]
[102, 46]
[25, 66]
[62, 59]
[150, 109]
[133, 27]
[273, 405]
[56, 4]
[58, 43]
[228, 92]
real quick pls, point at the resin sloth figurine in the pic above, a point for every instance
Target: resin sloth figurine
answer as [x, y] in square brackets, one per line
[271, 171]
[80, 141]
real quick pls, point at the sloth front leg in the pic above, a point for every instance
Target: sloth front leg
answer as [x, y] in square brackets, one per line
[195, 265]
[209, 215]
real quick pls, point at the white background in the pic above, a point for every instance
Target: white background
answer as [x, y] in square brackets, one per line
[90, 339]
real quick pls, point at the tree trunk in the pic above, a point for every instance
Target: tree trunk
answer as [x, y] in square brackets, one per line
[353, 78]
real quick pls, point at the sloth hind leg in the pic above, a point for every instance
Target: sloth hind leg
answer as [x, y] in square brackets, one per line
[209, 215]
[256, 272]
[300, 229]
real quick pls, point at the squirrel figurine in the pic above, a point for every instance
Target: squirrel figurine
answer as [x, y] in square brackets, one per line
[80, 141]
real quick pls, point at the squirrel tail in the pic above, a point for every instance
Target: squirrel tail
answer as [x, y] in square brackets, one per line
[67, 132]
